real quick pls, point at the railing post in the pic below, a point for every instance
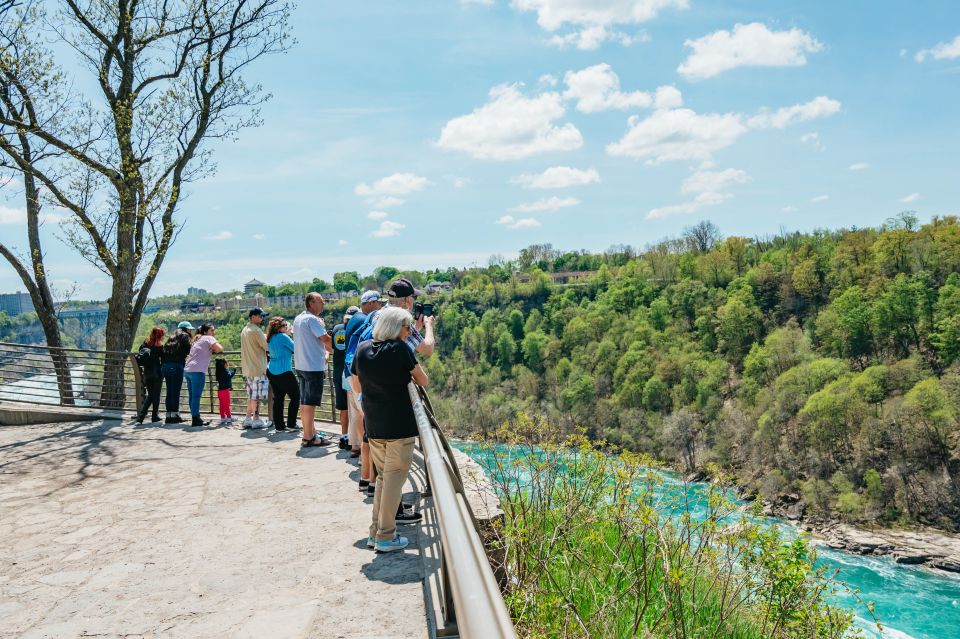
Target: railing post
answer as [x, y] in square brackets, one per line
[210, 383]
[138, 390]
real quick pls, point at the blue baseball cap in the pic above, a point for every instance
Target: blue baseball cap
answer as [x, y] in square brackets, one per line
[186, 326]
[369, 296]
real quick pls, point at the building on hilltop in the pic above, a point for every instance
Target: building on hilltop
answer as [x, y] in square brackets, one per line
[253, 286]
[193, 290]
[438, 287]
[16, 303]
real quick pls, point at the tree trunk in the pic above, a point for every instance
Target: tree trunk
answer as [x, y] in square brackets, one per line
[119, 338]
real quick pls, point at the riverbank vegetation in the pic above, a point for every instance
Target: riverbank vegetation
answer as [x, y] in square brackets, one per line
[820, 369]
[593, 548]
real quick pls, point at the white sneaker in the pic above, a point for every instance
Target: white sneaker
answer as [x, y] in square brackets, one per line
[248, 422]
[268, 423]
[225, 421]
[257, 423]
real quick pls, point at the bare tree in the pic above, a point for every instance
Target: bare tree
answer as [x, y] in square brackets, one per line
[702, 236]
[169, 78]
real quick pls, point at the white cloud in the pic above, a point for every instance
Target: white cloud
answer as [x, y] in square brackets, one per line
[597, 88]
[709, 187]
[457, 181]
[943, 51]
[12, 216]
[819, 107]
[547, 80]
[557, 177]
[789, 209]
[222, 235]
[396, 184]
[590, 38]
[713, 181]
[555, 14]
[749, 45]
[377, 215]
[859, 166]
[702, 200]
[680, 134]
[668, 97]
[523, 223]
[553, 203]
[342, 242]
[387, 229]
[813, 139]
[907, 199]
[820, 198]
[512, 126]
[259, 236]
[386, 202]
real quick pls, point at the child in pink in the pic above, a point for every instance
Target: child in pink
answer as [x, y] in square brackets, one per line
[224, 386]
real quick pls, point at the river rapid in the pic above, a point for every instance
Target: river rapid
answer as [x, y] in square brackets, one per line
[911, 602]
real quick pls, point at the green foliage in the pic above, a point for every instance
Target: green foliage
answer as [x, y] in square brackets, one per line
[593, 551]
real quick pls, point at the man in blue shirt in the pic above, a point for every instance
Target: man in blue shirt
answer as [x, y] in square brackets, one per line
[369, 303]
[311, 344]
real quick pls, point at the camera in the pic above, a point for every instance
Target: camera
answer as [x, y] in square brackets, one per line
[421, 309]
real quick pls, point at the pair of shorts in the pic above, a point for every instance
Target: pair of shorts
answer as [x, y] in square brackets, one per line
[257, 387]
[311, 387]
[340, 397]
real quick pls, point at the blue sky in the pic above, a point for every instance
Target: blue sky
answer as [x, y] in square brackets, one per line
[429, 133]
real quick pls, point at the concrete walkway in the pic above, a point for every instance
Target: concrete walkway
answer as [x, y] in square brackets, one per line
[110, 529]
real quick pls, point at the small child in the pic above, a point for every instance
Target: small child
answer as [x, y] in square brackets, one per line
[224, 386]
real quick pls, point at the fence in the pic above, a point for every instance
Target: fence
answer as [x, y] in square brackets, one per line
[471, 599]
[75, 377]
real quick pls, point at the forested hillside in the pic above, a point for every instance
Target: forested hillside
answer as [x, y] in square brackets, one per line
[818, 366]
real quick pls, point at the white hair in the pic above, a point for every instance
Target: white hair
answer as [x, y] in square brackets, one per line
[389, 323]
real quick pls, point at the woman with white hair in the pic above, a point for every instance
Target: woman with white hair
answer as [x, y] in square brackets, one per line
[382, 368]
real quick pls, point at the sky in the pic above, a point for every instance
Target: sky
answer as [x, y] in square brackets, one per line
[438, 133]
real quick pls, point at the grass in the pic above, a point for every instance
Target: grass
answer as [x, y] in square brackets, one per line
[591, 551]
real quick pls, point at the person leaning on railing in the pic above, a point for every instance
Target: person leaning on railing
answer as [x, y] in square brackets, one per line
[280, 373]
[149, 360]
[195, 370]
[175, 353]
[381, 369]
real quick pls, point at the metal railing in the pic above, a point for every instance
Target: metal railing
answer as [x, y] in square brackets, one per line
[48, 376]
[471, 598]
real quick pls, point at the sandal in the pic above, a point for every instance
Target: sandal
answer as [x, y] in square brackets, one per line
[317, 440]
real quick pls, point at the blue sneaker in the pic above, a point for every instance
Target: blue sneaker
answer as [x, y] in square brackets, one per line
[397, 543]
[371, 542]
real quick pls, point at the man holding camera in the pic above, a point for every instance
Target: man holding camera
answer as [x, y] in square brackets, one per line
[403, 294]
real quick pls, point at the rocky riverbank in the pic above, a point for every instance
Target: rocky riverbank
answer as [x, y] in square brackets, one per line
[928, 547]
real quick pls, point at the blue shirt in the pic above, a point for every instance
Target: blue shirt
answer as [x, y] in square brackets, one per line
[281, 354]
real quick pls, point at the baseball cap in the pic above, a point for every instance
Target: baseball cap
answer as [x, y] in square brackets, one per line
[353, 310]
[186, 326]
[256, 310]
[402, 287]
[369, 296]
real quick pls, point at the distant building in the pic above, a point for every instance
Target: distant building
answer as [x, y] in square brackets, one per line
[193, 290]
[253, 286]
[16, 303]
[438, 287]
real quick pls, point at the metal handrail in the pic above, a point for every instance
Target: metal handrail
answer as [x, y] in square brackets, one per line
[22, 364]
[478, 605]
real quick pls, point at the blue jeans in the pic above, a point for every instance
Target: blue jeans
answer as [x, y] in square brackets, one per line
[173, 376]
[195, 390]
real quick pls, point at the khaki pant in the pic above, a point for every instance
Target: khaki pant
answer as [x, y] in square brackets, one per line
[392, 459]
[355, 421]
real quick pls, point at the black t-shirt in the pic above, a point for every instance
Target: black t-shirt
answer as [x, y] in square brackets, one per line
[177, 348]
[384, 370]
[339, 350]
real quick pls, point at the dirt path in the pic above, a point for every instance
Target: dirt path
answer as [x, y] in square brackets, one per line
[161, 531]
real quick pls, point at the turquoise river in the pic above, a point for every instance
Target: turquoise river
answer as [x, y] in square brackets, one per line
[910, 602]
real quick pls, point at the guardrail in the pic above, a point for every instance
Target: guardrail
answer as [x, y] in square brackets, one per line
[48, 376]
[471, 597]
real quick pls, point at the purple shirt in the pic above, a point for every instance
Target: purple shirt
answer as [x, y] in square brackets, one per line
[200, 353]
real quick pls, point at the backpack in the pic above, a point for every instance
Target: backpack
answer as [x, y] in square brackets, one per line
[363, 332]
[143, 356]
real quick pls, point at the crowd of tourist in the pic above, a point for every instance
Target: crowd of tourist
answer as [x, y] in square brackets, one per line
[374, 355]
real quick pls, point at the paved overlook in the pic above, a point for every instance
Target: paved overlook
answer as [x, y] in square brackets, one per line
[113, 530]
